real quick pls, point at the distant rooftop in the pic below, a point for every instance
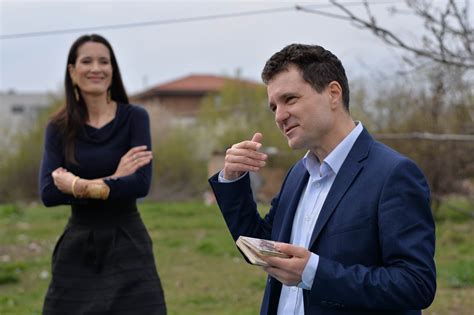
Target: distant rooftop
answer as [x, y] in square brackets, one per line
[28, 99]
[193, 84]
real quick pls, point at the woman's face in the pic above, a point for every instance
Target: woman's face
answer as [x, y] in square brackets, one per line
[92, 72]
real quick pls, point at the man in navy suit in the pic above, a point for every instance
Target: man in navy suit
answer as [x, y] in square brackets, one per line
[353, 214]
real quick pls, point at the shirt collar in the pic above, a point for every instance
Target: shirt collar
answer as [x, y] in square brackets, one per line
[336, 157]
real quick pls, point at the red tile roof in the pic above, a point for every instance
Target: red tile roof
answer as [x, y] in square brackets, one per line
[191, 84]
[194, 82]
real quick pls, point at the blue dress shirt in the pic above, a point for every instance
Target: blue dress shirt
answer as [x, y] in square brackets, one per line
[321, 178]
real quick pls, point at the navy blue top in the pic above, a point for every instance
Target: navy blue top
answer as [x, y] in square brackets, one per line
[98, 153]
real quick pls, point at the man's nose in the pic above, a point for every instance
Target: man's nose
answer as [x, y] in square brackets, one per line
[281, 114]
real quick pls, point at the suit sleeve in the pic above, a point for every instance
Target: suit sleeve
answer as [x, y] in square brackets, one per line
[137, 184]
[239, 209]
[406, 278]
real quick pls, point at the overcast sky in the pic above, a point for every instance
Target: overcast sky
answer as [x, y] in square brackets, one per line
[151, 55]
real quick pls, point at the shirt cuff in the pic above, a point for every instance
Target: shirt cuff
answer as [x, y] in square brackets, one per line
[221, 178]
[309, 272]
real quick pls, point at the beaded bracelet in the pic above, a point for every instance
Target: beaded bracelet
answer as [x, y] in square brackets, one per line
[73, 185]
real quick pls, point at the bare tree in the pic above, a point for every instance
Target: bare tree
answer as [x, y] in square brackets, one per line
[448, 38]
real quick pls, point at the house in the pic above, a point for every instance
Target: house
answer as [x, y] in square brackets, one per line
[18, 112]
[180, 99]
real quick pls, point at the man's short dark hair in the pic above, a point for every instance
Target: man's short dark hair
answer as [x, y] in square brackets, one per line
[318, 67]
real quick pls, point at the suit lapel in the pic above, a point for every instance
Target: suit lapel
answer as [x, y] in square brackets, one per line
[292, 192]
[344, 179]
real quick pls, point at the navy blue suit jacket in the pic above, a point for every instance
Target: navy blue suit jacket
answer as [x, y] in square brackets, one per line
[375, 234]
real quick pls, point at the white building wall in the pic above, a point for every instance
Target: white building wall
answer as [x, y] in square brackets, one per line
[18, 112]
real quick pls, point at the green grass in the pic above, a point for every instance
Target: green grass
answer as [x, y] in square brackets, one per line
[201, 270]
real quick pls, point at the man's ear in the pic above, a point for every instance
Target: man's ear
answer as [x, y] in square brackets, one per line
[335, 92]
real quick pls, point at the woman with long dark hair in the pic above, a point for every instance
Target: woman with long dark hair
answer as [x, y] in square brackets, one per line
[97, 158]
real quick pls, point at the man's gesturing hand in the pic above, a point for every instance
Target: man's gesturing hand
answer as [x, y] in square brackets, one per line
[243, 157]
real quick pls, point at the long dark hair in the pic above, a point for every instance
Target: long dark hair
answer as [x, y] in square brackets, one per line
[70, 118]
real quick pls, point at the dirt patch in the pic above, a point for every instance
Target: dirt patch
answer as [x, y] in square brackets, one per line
[23, 252]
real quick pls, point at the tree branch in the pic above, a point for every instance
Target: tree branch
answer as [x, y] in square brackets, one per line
[450, 38]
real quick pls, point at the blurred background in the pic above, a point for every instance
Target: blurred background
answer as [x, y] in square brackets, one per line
[195, 66]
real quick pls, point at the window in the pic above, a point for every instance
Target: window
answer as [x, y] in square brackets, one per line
[18, 109]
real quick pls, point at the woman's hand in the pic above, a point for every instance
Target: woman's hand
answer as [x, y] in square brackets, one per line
[63, 180]
[135, 158]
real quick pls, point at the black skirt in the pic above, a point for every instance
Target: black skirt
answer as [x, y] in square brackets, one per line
[104, 266]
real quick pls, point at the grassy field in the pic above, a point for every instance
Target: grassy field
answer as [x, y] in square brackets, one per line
[201, 270]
